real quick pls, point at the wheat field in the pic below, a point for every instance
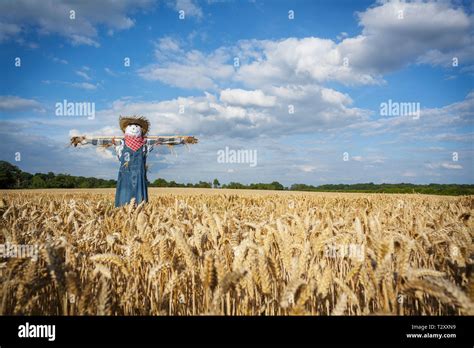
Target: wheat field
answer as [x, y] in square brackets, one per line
[231, 252]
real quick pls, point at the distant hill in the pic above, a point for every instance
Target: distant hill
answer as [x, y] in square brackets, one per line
[11, 177]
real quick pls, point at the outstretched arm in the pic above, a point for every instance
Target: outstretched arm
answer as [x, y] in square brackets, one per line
[100, 141]
[118, 143]
[170, 141]
[96, 141]
[116, 140]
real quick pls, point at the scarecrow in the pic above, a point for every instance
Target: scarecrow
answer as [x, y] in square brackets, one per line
[132, 150]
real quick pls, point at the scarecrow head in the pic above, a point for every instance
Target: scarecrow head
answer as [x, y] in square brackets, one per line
[135, 126]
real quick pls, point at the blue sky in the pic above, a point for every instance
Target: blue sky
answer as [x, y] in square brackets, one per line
[334, 63]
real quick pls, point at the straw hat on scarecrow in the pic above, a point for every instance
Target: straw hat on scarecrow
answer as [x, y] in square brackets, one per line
[125, 121]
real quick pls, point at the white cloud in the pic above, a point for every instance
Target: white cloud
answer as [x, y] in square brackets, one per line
[451, 166]
[8, 30]
[249, 114]
[167, 44]
[110, 72]
[15, 103]
[53, 17]
[192, 69]
[306, 60]
[190, 8]
[370, 159]
[445, 165]
[81, 85]
[466, 137]
[409, 174]
[78, 40]
[342, 35]
[246, 98]
[306, 168]
[84, 85]
[388, 42]
[83, 74]
[105, 154]
[429, 33]
[59, 60]
[432, 124]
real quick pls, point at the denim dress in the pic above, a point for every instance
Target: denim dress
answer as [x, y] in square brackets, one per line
[132, 181]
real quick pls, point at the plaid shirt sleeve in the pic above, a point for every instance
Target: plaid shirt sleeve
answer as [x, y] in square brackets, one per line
[150, 143]
[102, 142]
[165, 141]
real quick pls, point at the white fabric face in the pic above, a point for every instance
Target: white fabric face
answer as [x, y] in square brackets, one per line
[133, 130]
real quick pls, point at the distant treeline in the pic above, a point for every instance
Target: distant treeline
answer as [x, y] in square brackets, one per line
[215, 184]
[437, 189]
[11, 177]
[163, 183]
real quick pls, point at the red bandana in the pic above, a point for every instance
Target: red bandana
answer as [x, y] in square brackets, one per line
[134, 142]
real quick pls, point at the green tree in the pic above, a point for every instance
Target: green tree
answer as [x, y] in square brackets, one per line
[38, 182]
[10, 175]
